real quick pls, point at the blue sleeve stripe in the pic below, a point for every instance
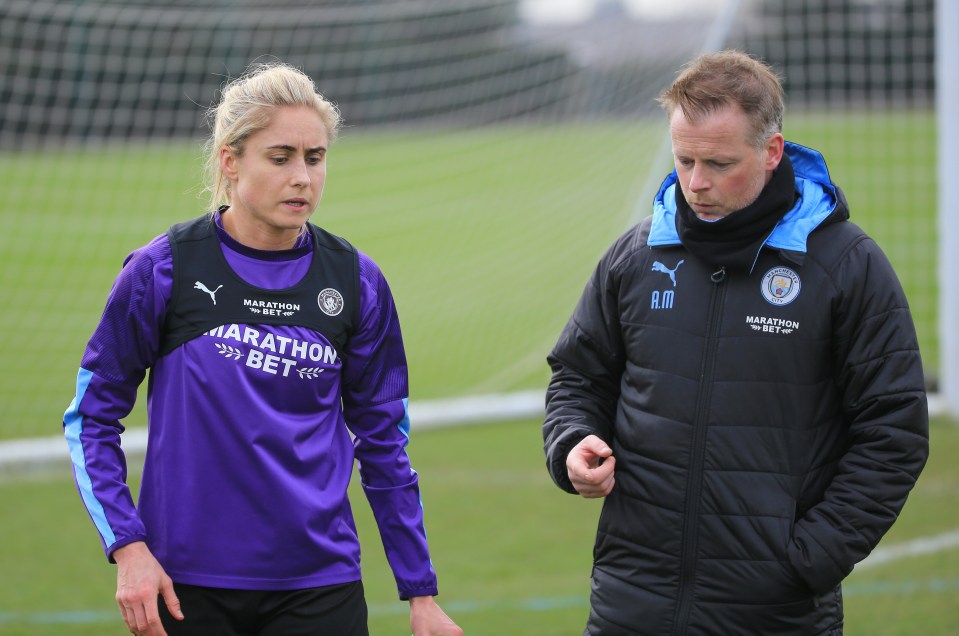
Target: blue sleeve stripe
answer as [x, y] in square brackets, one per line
[72, 428]
[404, 424]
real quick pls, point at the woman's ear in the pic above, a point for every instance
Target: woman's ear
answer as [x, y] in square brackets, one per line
[228, 162]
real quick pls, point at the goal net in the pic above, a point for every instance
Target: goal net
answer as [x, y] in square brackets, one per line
[493, 150]
[860, 80]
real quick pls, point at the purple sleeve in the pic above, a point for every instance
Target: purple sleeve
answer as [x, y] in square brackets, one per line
[375, 390]
[114, 364]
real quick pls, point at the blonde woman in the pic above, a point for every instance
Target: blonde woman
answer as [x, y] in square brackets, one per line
[269, 341]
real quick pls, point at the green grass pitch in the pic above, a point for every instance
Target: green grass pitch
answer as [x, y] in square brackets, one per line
[487, 238]
[512, 551]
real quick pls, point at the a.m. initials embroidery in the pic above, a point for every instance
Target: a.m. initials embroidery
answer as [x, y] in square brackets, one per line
[662, 299]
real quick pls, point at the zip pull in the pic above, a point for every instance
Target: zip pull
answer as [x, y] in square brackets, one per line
[718, 276]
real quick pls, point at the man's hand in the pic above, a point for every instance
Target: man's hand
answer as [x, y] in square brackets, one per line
[590, 466]
[140, 579]
[427, 619]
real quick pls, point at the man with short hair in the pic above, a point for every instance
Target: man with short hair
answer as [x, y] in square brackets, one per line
[740, 380]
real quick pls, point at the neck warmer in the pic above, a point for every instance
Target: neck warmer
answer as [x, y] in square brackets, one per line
[734, 241]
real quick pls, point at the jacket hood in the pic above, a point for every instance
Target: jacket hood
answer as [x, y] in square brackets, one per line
[817, 201]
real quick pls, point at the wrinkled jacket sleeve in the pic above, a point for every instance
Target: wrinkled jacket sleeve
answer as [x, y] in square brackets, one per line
[587, 365]
[880, 377]
[123, 346]
[375, 400]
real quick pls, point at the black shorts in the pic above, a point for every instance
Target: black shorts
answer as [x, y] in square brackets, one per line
[335, 610]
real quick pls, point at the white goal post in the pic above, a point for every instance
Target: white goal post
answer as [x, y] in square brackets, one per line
[947, 107]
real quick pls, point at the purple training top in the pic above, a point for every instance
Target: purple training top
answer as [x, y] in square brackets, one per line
[249, 452]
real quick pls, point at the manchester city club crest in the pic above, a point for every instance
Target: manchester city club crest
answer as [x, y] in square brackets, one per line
[330, 301]
[780, 286]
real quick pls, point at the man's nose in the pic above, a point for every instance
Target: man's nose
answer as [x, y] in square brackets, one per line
[697, 180]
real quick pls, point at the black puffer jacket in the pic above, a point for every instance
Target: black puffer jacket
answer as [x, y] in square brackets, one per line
[767, 427]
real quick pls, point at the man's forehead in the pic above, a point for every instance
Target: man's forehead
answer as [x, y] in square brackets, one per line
[720, 132]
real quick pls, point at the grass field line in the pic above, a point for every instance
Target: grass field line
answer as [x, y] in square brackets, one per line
[22, 457]
[459, 607]
[521, 366]
[41, 454]
[883, 555]
[916, 547]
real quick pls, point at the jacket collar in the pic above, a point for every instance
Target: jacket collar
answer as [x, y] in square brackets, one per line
[817, 199]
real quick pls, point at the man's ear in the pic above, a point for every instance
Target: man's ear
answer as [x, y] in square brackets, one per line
[228, 162]
[775, 146]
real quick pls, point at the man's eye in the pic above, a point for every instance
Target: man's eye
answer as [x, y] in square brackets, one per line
[279, 160]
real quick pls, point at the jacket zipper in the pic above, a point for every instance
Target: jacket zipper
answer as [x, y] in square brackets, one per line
[688, 554]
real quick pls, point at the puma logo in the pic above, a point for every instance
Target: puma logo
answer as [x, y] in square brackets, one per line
[659, 267]
[203, 288]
